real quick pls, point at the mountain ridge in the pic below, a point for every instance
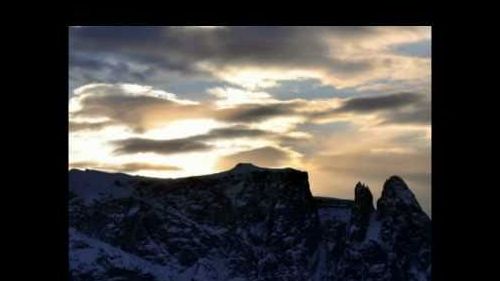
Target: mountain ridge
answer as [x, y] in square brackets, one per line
[247, 223]
[248, 167]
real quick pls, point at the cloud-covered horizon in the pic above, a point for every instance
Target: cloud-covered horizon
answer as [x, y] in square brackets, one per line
[343, 103]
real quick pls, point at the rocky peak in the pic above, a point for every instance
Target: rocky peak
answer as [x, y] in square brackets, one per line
[248, 168]
[246, 179]
[397, 196]
[245, 167]
[405, 231]
[361, 212]
[363, 198]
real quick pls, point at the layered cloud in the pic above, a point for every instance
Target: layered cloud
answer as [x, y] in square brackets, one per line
[188, 144]
[392, 108]
[250, 57]
[142, 107]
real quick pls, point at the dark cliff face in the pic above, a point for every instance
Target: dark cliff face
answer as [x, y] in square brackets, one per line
[406, 231]
[361, 212]
[390, 243]
[248, 223]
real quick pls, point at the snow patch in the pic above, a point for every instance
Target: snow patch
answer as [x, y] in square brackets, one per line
[93, 185]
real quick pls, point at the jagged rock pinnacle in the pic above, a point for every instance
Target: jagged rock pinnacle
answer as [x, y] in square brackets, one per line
[362, 210]
[363, 198]
[396, 195]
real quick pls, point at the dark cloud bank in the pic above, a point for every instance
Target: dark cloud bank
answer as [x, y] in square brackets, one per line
[134, 53]
[189, 144]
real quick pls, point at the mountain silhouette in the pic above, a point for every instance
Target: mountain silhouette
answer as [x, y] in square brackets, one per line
[247, 223]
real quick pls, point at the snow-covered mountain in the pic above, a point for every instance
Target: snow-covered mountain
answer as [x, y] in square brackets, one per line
[248, 223]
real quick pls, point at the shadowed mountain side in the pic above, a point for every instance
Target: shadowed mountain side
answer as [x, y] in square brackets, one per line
[247, 223]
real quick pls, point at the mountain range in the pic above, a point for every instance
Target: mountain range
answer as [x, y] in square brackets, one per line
[248, 223]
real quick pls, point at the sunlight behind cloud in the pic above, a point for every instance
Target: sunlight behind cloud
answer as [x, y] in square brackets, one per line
[229, 97]
[183, 128]
[280, 124]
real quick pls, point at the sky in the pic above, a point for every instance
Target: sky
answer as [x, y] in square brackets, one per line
[345, 104]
